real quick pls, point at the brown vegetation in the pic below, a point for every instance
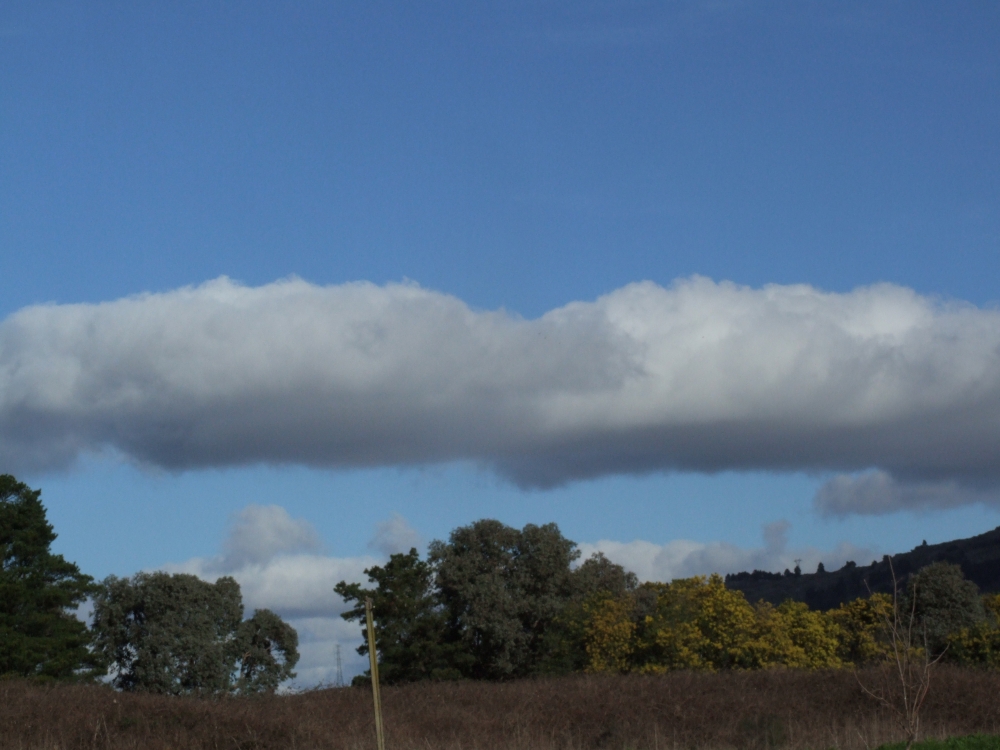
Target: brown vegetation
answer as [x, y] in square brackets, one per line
[769, 709]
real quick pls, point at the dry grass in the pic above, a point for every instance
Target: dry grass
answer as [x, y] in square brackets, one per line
[750, 710]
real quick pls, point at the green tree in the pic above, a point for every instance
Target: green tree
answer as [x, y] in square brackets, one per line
[493, 602]
[979, 644]
[177, 634]
[39, 635]
[943, 603]
[409, 623]
[569, 643]
[266, 650]
[598, 575]
[502, 589]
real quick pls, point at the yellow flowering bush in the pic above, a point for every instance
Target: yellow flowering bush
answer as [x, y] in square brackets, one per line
[610, 634]
[862, 628]
[699, 624]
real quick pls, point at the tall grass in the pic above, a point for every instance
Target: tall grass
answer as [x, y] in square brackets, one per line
[745, 711]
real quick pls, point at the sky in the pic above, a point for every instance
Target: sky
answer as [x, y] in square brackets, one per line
[286, 288]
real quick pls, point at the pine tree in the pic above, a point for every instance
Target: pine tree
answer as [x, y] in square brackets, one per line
[409, 623]
[39, 634]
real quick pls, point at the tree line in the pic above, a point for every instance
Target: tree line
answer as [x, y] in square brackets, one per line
[491, 603]
[494, 602]
[158, 632]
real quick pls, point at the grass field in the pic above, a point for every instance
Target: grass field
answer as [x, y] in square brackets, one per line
[967, 742]
[748, 710]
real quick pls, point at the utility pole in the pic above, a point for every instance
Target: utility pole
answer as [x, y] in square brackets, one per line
[340, 669]
[373, 659]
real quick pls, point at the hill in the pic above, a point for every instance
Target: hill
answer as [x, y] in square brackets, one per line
[978, 556]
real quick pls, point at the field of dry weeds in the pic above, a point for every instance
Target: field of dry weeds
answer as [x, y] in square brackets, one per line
[748, 710]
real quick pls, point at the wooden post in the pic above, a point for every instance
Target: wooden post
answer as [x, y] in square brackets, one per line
[373, 658]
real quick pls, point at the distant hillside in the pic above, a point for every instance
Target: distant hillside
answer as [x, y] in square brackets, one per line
[978, 556]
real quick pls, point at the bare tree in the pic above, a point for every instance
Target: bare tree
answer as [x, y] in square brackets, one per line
[904, 675]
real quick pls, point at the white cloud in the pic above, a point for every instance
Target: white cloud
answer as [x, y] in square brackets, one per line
[292, 585]
[274, 557]
[275, 560]
[258, 533]
[682, 558]
[394, 535]
[700, 376]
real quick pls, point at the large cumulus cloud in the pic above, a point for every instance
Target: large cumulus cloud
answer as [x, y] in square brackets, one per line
[699, 376]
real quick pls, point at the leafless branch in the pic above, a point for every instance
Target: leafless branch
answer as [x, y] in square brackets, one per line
[906, 673]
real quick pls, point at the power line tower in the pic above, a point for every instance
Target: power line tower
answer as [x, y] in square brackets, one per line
[340, 669]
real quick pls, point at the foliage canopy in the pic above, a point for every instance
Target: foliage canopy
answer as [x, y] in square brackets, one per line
[494, 602]
[943, 602]
[490, 603]
[177, 634]
[409, 624]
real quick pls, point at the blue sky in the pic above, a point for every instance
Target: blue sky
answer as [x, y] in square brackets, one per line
[514, 156]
